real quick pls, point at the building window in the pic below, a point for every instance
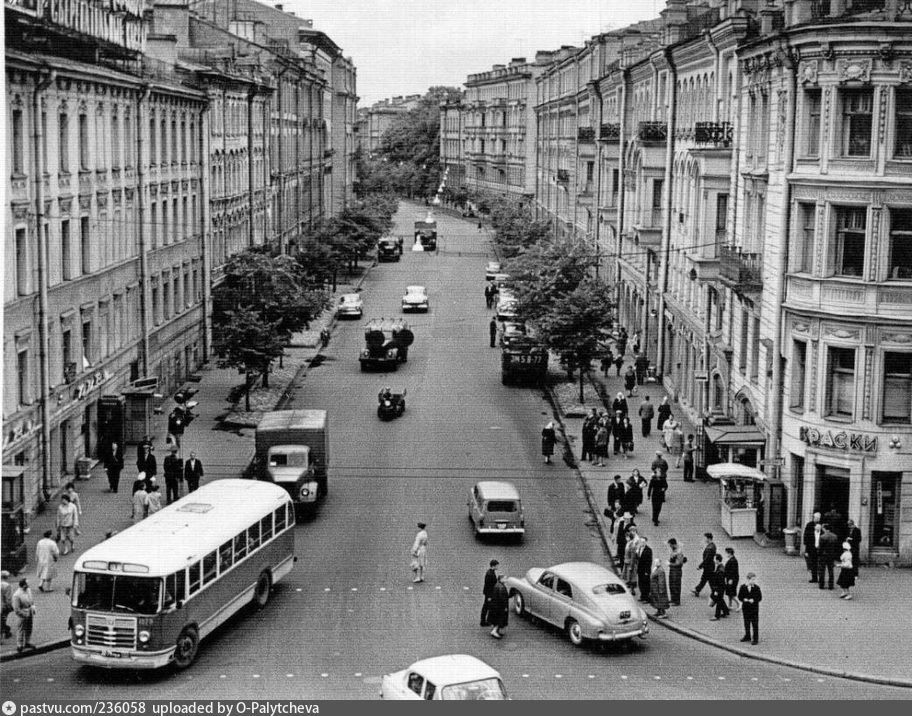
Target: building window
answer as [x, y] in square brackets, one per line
[849, 249]
[22, 262]
[721, 214]
[897, 388]
[18, 147]
[153, 225]
[799, 375]
[742, 353]
[66, 350]
[900, 259]
[812, 122]
[803, 256]
[128, 140]
[166, 298]
[153, 154]
[156, 307]
[903, 124]
[66, 261]
[163, 142]
[87, 354]
[857, 115]
[174, 155]
[63, 142]
[22, 375]
[615, 186]
[755, 351]
[83, 142]
[164, 223]
[85, 244]
[44, 143]
[841, 382]
[115, 141]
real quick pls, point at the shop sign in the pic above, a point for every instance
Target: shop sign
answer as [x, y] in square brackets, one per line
[21, 430]
[86, 387]
[855, 442]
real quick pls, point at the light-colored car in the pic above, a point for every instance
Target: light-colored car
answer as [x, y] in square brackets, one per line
[495, 508]
[501, 280]
[586, 600]
[350, 304]
[507, 307]
[415, 299]
[492, 268]
[452, 677]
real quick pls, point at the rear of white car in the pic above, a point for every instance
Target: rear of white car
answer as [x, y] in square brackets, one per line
[350, 305]
[415, 299]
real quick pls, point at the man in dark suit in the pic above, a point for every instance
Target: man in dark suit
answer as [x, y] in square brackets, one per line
[618, 430]
[615, 491]
[114, 464]
[644, 570]
[656, 493]
[490, 579]
[174, 473]
[826, 555]
[146, 463]
[717, 585]
[809, 540]
[853, 535]
[707, 564]
[193, 471]
[732, 577]
[750, 596]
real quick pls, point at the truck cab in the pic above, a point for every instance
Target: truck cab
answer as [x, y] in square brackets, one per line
[290, 467]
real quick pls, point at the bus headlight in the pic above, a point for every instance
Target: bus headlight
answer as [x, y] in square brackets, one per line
[305, 492]
[144, 637]
[79, 630]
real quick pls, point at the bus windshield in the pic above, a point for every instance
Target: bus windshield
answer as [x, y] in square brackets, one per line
[120, 593]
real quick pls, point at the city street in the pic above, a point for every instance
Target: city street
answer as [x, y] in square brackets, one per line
[349, 613]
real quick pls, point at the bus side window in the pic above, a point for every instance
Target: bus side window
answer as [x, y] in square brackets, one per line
[174, 588]
[195, 573]
[266, 527]
[280, 519]
[253, 537]
[240, 546]
[210, 567]
[226, 556]
[289, 511]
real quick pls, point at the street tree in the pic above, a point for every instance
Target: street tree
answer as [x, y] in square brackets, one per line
[247, 342]
[575, 324]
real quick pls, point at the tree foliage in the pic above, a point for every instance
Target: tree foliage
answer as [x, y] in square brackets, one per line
[248, 342]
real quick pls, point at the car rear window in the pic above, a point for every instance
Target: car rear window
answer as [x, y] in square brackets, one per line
[610, 589]
[501, 506]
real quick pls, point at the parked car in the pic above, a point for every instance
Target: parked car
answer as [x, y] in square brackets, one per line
[492, 268]
[452, 677]
[507, 308]
[496, 508]
[350, 304]
[415, 299]
[512, 331]
[586, 600]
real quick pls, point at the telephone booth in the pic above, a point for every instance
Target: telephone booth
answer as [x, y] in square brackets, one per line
[14, 555]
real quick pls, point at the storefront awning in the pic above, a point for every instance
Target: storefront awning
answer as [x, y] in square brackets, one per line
[735, 435]
[734, 470]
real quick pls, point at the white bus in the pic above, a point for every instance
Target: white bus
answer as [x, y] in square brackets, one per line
[146, 597]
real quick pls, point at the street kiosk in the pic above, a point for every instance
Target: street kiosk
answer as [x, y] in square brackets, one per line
[741, 497]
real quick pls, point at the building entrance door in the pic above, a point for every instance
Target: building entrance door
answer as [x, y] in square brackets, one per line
[832, 490]
[885, 511]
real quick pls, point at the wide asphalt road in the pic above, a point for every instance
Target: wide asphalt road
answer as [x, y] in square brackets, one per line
[349, 612]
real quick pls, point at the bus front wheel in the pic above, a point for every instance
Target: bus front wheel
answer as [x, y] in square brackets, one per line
[186, 647]
[261, 592]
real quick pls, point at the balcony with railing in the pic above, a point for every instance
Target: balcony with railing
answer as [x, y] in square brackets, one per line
[740, 270]
[715, 134]
[610, 133]
[585, 135]
[117, 24]
[654, 132]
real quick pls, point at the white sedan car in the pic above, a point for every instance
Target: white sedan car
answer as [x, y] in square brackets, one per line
[586, 600]
[415, 299]
[492, 268]
[350, 304]
[452, 677]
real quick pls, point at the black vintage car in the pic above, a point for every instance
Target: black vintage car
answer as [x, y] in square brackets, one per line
[389, 249]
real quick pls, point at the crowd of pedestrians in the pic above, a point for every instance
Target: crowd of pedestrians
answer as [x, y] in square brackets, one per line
[829, 541]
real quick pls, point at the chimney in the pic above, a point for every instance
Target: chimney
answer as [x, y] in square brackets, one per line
[518, 61]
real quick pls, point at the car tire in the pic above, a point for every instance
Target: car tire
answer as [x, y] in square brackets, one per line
[186, 647]
[262, 589]
[519, 604]
[575, 632]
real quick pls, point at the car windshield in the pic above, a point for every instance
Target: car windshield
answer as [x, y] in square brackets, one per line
[609, 589]
[350, 299]
[484, 690]
[110, 593]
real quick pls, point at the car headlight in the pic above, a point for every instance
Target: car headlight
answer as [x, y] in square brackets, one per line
[79, 630]
[390, 353]
[144, 637]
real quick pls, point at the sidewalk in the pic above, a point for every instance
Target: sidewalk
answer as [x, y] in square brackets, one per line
[221, 437]
[800, 624]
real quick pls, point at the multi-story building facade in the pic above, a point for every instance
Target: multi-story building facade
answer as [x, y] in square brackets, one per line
[498, 127]
[145, 142]
[98, 290]
[452, 143]
[381, 116]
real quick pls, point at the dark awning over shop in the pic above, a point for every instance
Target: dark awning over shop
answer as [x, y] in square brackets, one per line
[735, 435]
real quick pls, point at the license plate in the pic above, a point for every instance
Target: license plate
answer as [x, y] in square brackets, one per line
[625, 615]
[112, 654]
[501, 525]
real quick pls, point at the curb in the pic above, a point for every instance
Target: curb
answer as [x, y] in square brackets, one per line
[699, 636]
[691, 633]
[43, 649]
